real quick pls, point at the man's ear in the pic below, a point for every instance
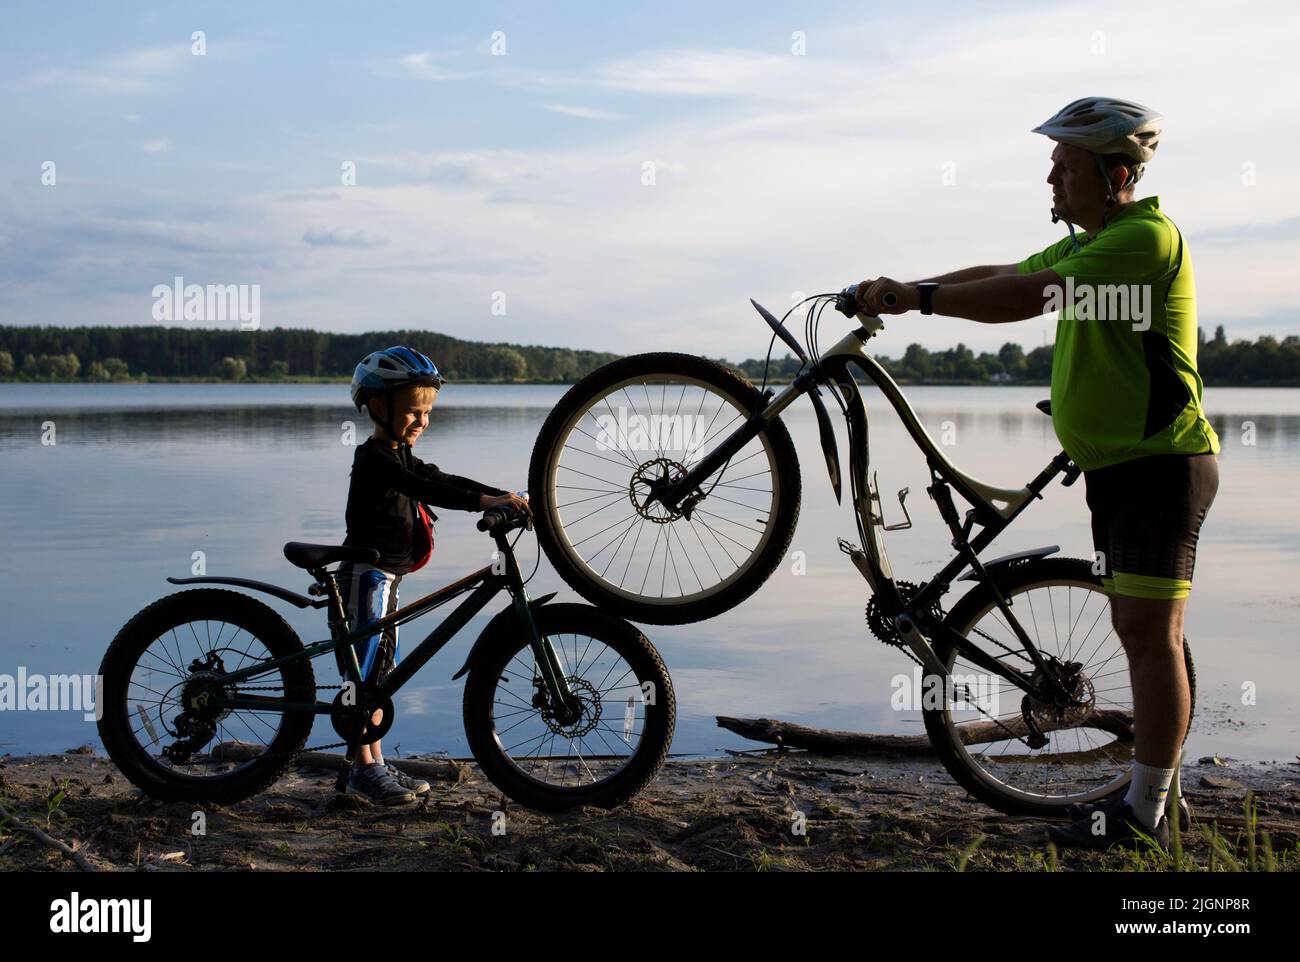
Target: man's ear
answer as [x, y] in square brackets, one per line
[1122, 175]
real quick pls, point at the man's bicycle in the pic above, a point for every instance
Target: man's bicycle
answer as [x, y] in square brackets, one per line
[666, 488]
[209, 695]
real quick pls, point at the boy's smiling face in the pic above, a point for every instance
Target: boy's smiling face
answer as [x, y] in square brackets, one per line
[412, 418]
[409, 414]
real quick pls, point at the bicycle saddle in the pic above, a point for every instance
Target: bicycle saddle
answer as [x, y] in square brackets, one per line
[1045, 407]
[319, 555]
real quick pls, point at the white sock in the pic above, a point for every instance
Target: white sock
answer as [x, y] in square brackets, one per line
[1148, 791]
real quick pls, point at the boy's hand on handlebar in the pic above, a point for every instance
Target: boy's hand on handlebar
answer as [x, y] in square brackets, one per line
[872, 297]
[510, 500]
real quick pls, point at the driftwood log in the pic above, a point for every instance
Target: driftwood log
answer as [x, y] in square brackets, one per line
[790, 735]
[445, 769]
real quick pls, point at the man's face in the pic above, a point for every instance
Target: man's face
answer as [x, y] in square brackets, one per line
[1077, 189]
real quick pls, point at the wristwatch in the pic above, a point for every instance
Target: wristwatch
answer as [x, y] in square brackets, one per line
[926, 289]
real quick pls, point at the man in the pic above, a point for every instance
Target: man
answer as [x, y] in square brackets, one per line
[1126, 407]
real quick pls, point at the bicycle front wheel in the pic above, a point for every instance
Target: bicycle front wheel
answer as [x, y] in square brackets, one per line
[624, 430]
[613, 739]
[979, 728]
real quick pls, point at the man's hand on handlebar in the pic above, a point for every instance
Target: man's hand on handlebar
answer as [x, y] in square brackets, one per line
[884, 295]
[510, 500]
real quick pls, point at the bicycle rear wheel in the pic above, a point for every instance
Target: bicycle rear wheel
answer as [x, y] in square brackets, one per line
[978, 730]
[625, 429]
[160, 729]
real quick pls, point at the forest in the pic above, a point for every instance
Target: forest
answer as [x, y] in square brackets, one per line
[172, 353]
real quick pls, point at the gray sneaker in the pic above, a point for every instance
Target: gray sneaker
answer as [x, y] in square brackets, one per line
[374, 782]
[408, 782]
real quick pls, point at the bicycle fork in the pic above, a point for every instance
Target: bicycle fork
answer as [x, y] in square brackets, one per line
[554, 680]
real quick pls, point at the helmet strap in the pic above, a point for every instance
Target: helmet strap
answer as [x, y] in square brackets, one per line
[1074, 241]
[1111, 202]
[386, 423]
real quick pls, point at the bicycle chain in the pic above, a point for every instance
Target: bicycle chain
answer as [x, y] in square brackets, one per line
[299, 751]
[888, 634]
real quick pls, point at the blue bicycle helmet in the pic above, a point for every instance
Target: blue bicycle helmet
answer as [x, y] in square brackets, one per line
[384, 370]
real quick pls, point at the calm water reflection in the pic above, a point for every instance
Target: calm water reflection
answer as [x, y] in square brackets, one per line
[142, 477]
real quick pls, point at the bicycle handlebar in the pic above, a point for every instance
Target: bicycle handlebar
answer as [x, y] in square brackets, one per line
[846, 302]
[502, 519]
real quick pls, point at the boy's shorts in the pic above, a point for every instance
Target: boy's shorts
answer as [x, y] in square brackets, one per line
[1146, 519]
[369, 593]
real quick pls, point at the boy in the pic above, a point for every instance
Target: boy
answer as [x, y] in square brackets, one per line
[385, 511]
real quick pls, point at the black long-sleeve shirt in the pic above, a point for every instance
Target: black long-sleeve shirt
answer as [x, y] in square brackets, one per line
[388, 485]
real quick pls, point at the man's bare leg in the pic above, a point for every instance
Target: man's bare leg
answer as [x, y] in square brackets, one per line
[1151, 631]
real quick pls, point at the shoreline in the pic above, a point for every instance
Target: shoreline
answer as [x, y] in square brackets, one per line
[735, 813]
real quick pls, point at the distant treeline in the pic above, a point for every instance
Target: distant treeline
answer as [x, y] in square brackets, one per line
[1264, 362]
[122, 353]
[140, 353]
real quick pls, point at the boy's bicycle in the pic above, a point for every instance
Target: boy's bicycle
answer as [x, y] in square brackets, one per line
[209, 694]
[666, 488]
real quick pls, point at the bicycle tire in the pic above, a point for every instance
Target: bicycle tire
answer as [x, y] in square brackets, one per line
[491, 660]
[750, 573]
[978, 781]
[130, 646]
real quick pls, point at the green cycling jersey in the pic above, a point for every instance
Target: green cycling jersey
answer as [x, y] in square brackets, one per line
[1124, 379]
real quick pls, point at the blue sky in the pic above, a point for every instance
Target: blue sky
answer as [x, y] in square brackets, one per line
[895, 141]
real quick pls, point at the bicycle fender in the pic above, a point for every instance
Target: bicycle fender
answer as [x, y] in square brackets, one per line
[498, 623]
[1009, 559]
[284, 594]
[829, 447]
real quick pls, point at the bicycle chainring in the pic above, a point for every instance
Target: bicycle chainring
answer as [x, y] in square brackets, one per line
[880, 624]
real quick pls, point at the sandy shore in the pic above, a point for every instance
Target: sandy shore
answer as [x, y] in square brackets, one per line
[721, 814]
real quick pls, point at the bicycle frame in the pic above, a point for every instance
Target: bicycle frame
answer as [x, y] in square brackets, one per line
[488, 582]
[994, 508]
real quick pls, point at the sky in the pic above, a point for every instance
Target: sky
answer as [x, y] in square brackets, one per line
[615, 177]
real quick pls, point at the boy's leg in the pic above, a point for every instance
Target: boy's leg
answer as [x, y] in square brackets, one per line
[366, 594]
[385, 658]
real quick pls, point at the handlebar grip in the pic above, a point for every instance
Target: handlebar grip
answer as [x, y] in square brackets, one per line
[846, 302]
[491, 518]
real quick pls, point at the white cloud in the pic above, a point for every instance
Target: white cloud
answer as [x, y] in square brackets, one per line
[587, 113]
[421, 65]
[155, 146]
[342, 237]
[135, 71]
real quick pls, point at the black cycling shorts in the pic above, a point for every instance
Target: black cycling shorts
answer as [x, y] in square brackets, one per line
[1146, 518]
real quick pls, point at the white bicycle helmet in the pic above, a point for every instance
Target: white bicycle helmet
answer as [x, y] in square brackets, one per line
[384, 370]
[1107, 125]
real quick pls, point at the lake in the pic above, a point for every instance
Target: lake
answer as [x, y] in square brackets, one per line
[140, 477]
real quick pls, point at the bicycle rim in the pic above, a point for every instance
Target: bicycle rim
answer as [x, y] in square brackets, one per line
[601, 470]
[575, 755]
[232, 740]
[1069, 619]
